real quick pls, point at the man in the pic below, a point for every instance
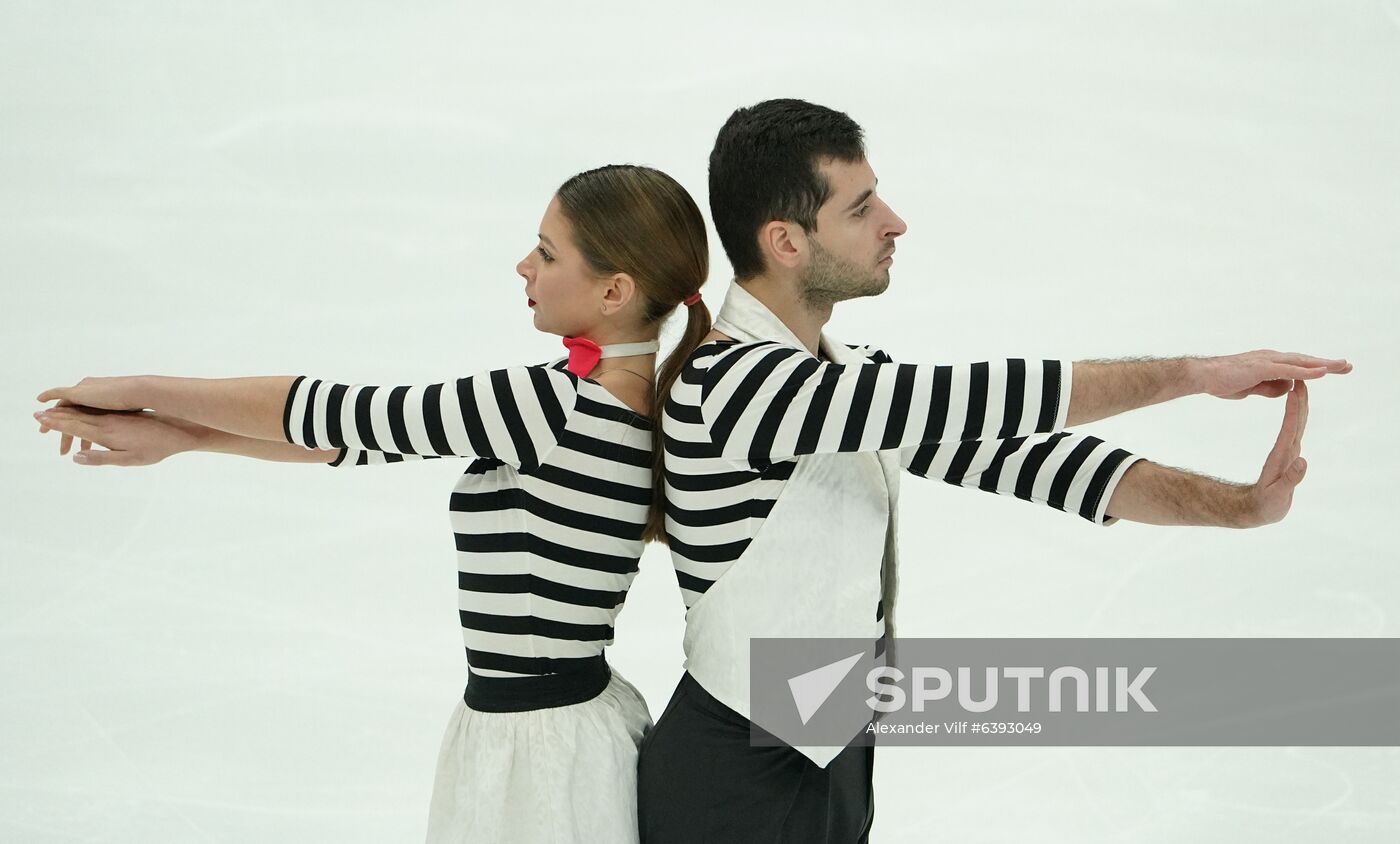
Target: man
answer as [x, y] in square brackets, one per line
[783, 450]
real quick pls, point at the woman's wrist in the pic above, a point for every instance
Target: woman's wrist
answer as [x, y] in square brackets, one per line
[199, 437]
[147, 392]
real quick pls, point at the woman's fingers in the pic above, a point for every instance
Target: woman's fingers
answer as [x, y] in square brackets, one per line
[95, 457]
[63, 409]
[73, 427]
[69, 423]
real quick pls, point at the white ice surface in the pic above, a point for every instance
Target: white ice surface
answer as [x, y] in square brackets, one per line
[215, 649]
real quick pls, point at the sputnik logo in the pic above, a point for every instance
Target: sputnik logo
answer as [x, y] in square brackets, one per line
[811, 689]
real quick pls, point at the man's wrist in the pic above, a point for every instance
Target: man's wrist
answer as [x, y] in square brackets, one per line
[1192, 378]
[1245, 507]
[1229, 504]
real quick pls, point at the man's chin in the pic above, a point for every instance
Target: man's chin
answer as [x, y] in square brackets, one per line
[878, 285]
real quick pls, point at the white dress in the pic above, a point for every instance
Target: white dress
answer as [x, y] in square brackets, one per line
[565, 774]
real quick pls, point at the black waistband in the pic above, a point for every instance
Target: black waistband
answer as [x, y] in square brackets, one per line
[522, 694]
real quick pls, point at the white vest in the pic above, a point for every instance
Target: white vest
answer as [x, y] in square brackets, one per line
[814, 569]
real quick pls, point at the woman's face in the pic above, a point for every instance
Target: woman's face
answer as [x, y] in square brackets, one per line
[566, 297]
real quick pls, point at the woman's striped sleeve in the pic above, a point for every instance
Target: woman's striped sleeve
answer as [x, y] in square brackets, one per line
[763, 402]
[515, 415]
[364, 457]
[1074, 473]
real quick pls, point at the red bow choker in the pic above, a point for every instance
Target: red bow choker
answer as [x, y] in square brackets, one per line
[584, 354]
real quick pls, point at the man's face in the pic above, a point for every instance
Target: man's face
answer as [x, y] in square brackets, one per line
[853, 247]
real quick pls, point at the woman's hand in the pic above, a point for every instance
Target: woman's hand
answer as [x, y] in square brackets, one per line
[119, 392]
[133, 438]
[67, 439]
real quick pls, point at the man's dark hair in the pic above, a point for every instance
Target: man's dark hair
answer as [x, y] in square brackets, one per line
[764, 167]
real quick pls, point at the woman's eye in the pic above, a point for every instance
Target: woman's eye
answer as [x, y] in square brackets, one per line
[543, 254]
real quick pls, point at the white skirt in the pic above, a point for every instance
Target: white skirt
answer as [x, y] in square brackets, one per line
[548, 776]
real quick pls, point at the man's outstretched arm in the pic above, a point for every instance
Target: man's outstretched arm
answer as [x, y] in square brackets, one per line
[1160, 495]
[1104, 388]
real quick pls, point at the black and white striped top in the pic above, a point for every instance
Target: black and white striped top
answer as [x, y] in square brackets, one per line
[741, 413]
[547, 519]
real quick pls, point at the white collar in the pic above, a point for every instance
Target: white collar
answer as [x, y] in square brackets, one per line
[743, 316]
[616, 350]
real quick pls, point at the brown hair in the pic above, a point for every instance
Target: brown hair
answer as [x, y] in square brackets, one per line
[637, 220]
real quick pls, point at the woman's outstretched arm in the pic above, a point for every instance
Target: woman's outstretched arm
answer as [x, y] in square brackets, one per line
[515, 415]
[250, 407]
[222, 442]
[144, 438]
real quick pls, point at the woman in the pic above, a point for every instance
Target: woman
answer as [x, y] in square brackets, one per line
[549, 519]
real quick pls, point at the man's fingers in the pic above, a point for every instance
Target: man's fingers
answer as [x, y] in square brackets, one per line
[1332, 364]
[1301, 388]
[1285, 448]
[1272, 388]
[1299, 372]
[1291, 416]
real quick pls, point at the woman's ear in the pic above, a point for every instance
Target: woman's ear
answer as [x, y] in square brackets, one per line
[621, 287]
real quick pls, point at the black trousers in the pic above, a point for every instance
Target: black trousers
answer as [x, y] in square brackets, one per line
[700, 780]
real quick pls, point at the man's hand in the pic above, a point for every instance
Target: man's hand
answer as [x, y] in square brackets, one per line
[1261, 373]
[133, 438]
[1272, 495]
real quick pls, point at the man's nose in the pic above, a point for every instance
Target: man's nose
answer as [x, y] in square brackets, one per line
[897, 226]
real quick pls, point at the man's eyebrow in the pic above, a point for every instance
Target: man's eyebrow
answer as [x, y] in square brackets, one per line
[864, 196]
[546, 241]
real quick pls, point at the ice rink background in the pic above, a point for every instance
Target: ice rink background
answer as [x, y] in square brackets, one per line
[222, 649]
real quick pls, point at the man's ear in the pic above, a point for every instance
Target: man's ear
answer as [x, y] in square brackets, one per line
[783, 244]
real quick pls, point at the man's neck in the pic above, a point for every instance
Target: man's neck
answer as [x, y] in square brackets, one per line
[780, 296]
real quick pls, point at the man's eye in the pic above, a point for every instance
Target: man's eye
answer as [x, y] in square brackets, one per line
[863, 209]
